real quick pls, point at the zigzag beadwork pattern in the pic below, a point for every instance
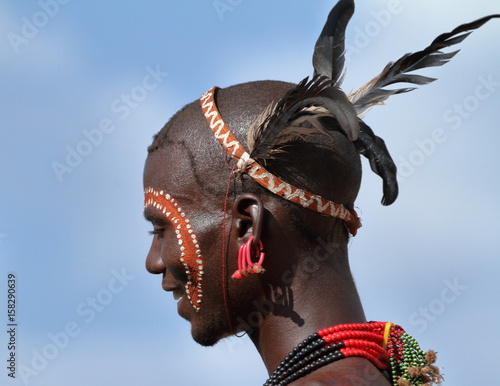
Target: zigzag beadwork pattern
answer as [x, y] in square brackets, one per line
[219, 127]
[266, 179]
[296, 195]
[187, 241]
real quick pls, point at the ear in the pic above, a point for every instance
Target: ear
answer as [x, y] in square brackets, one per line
[248, 216]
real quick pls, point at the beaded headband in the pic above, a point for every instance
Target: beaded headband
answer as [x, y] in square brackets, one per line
[265, 178]
[324, 91]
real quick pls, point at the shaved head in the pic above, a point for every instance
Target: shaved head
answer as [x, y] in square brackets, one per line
[325, 165]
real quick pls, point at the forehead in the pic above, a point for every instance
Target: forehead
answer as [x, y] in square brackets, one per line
[172, 170]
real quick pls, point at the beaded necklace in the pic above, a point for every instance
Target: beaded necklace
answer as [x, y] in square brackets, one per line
[386, 345]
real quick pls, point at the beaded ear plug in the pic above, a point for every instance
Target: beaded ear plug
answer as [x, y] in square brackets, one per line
[246, 255]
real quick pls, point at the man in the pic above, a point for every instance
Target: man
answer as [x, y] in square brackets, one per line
[241, 185]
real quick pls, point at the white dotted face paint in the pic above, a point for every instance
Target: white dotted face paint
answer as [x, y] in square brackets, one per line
[190, 254]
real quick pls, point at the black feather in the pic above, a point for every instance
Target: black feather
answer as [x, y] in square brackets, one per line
[381, 163]
[373, 93]
[316, 92]
[328, 57]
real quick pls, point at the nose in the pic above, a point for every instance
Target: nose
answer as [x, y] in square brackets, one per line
[154, 263]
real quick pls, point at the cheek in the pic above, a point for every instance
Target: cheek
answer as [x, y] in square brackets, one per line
[169, 250]
[209, 238]
[240, 297]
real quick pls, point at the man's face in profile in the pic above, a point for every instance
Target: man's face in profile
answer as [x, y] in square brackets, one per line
[200, 218]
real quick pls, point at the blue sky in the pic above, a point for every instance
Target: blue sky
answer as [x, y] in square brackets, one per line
[84, 88]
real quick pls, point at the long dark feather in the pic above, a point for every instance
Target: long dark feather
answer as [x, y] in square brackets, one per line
[316, 92]
[381, 163]
[328, 58]
[257, 128]
[373, 93]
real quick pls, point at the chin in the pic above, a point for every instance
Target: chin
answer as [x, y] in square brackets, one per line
[208, 332]
[206, 338]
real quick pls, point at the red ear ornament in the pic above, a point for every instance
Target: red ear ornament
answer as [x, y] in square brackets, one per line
[246, 255]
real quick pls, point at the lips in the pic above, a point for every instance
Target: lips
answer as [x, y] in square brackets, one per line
[174, 282]
[179, 296]
[178, 293]
[174, 287]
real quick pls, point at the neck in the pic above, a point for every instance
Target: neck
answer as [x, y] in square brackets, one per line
[315, 299]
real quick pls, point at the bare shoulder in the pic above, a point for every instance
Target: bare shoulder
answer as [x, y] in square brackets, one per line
[339, 380]
[355, 372]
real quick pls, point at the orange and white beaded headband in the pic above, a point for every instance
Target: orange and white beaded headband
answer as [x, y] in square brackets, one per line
[266, 179]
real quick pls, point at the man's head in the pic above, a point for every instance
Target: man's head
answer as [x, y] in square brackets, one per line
[224, 209]
[299, 164]
[211, 202]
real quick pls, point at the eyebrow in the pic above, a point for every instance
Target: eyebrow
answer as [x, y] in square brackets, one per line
[155, 220]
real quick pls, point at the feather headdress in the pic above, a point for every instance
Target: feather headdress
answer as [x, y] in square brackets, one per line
[322, 97]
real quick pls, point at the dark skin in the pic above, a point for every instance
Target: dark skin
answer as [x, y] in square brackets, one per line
[277, 309]
[302, 291]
